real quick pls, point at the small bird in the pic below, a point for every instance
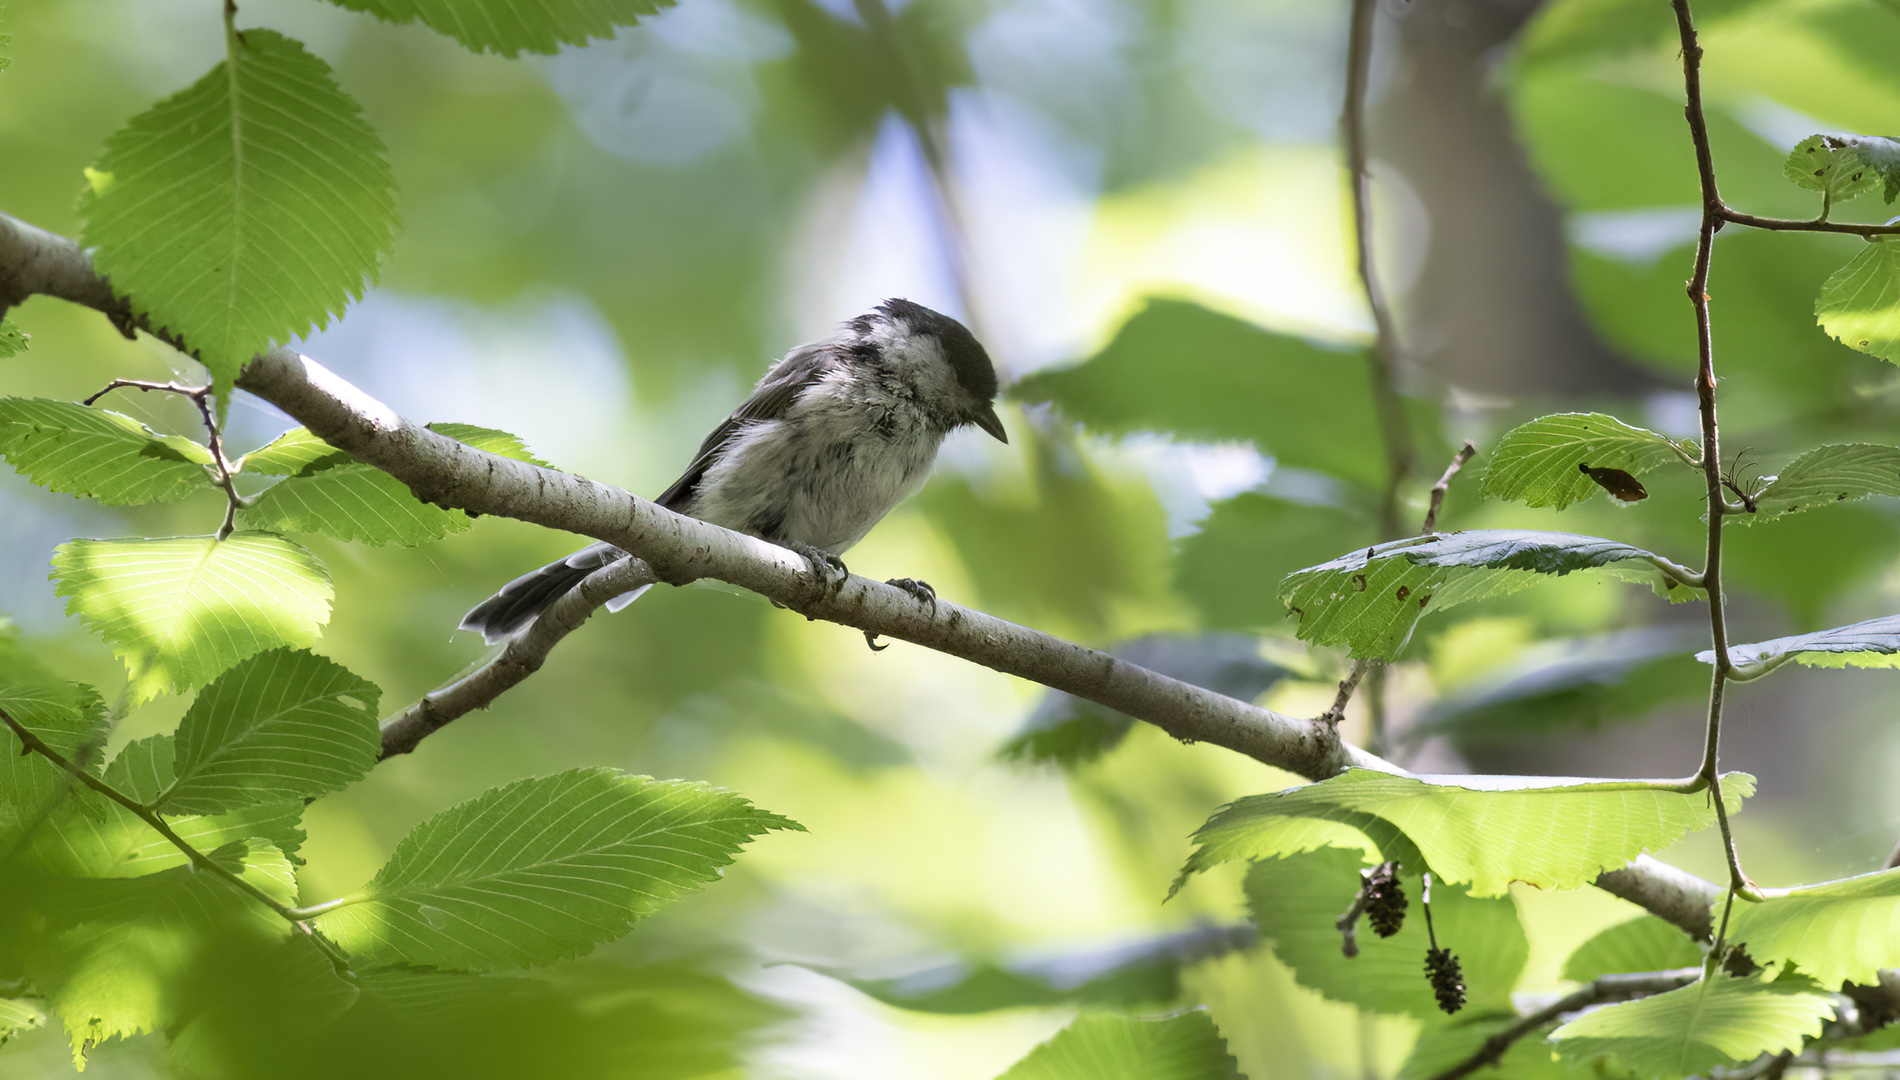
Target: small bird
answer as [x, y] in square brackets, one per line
[836, 434]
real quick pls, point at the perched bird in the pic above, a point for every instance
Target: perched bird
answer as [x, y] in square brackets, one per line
[834, 435]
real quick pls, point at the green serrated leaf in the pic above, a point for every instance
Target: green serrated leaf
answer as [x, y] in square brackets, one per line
[1825, 164]
[180, 610]
[114, 954]
[1835, 931]
[510, 26]
[283, 725]
[247, 208]
[1127, 976]
[69, 717]
[1645, 943]
[16, 1014]
[1536, 463]
[492, 440]
[98, 454]
[1825, 476]
[1369, 601]
[1860, 305]
[297, 452]
[1873, 643]
[1296, 901]
[12, 339]
[541, 870]
[1482, 831]
[352, 502]
[1689, 1031]
[330, 494]
[115, 843]
[1098, 1046]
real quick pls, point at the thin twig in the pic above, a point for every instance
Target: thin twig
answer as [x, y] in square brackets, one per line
[1347, 685]
[1698, 288]
[1754, 221]
[201, 397]
[1602, 989]
[198, 858]
[1439, 489]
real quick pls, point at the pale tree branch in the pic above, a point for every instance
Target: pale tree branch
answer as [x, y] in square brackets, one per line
[520, 658]
[678, 549]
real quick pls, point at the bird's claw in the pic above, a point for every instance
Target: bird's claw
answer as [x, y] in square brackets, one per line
[825, 568]
[870, 638]
[920, 591]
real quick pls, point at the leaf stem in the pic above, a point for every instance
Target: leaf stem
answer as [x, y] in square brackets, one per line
[198, 858]
[1713, 217]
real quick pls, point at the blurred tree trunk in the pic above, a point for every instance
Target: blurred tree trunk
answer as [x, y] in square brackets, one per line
[1491, 309]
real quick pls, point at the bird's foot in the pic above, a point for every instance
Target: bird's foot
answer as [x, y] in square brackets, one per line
[919, 591]
[825, 568]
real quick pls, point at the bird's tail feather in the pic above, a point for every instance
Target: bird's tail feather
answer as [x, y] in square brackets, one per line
[521, 600]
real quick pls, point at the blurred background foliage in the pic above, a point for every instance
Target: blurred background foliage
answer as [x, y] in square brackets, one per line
[1138, 205]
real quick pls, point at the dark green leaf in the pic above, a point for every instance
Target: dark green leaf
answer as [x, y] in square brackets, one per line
[1231, 569]
[1860, 305]
[1873, 643]
[1699, 1027]
[112, 954]
[245, 209]
[1644, 943]
[1485, 831]
[1537, 463]
[1197, 375]
[98, 454]
[1296, 901]
[1370, 600]
[1097, 1046]
[1566, 683]
[509, 28]
[1130, 976]
[12, 339]
[542, 870]
[281, 726]
[1827, 475]
[180, 610]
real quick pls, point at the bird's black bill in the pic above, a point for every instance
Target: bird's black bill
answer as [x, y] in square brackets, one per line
[990, 422]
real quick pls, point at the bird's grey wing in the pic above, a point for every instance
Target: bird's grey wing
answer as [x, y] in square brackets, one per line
[771, 400]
